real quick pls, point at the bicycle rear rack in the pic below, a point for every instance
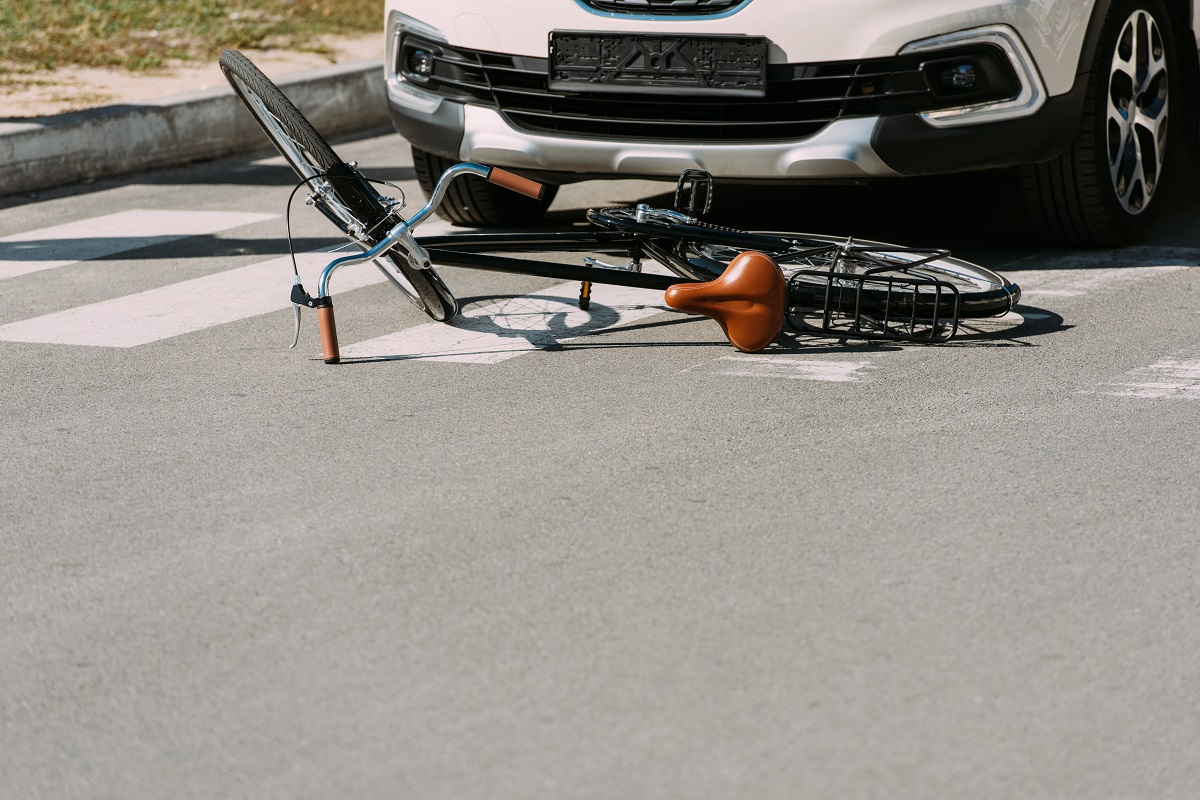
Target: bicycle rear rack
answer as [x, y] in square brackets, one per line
[873, 305]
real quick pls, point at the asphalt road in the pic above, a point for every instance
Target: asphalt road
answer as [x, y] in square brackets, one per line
[567, 559]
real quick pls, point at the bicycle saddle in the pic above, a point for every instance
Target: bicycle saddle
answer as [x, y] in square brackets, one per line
[748, 300]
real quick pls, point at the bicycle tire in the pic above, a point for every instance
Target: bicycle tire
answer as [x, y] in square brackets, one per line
[345, 197]
[708, 249]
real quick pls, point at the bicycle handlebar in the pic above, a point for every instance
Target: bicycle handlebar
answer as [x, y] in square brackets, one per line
[494, 175]
[401, 235]
[516, 183]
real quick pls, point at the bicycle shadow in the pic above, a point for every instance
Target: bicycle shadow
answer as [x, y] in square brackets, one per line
[1008, 330]
[493, 328]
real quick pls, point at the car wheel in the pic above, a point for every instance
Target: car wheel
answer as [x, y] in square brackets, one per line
[1105, 188]
[478, 203]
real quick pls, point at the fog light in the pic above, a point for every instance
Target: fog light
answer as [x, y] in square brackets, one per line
[961, 76]
[420, 62]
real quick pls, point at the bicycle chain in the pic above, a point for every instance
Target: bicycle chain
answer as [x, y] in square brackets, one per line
[698, 223]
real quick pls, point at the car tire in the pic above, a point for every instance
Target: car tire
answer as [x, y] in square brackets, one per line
[478, 203]
[1105, 189]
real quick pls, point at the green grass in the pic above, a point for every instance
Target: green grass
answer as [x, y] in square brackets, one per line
[143, 34]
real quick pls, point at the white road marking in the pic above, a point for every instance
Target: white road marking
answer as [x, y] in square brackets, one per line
[180, 308]
[185, 307]
[1166, 378]
[1036, 284]
[97, 237]
[795, 369]
[509, 328]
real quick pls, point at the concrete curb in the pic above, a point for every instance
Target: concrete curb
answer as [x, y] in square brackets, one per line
[51, 151]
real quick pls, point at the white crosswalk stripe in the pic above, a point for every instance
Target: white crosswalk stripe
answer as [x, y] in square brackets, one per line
[110, 234]
[795, 369]
[1060, 283]
[183, 307]
[504, 330]
[1174, 378]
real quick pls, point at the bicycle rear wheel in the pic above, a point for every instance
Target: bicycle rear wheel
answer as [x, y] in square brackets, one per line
[816, 264]
[340, 192]
[821, 269]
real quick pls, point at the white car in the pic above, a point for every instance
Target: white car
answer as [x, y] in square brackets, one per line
[1077, 94]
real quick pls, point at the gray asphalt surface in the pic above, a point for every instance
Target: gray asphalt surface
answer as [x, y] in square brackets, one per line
[632, 564]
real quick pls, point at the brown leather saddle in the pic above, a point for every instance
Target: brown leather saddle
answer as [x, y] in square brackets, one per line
[748, 301]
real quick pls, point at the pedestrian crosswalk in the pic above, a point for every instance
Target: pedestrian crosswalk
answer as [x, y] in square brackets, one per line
[489, 334]
[180, 308]
[110, 234]
[486, 335]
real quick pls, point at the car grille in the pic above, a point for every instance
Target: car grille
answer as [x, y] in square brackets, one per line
[800, 100]
[663, 7]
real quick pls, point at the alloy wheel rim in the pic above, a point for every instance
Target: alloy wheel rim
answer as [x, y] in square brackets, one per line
[1137, 110]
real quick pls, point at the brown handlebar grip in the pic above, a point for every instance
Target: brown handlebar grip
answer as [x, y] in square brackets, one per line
[329, 342]
[518, 184]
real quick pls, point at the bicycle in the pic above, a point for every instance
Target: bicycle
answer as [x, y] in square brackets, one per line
[751, 283]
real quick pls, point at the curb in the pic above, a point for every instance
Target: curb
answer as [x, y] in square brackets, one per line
[50, 151]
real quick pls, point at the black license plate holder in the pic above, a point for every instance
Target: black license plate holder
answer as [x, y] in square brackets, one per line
[645, 63]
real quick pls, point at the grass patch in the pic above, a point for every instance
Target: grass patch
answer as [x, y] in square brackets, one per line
[16, 78]
[144, 34]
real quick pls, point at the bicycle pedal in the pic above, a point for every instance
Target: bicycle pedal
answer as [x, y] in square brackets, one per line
[697, 184]
[585, 295]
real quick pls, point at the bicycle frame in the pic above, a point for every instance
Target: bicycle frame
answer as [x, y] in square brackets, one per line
[467, 250]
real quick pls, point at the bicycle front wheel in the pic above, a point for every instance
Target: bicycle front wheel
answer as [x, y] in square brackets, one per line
[340, 192]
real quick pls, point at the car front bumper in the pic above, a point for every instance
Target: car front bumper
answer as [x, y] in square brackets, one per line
[846, 150]
[1029, 128]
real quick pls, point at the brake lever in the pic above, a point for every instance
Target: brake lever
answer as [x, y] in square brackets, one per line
[299, 297]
